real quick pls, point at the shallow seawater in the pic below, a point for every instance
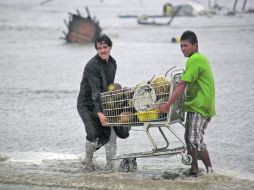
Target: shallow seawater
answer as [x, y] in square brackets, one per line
[41, 135]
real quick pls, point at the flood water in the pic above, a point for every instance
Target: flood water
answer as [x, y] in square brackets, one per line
[42, 137]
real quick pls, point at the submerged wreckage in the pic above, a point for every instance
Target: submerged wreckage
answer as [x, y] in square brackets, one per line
[188, 9]
[81, 29]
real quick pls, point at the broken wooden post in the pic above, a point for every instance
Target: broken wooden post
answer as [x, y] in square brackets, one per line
[244, 4]
[234, 7]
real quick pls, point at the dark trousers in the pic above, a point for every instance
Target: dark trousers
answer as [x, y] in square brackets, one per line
[94, 130]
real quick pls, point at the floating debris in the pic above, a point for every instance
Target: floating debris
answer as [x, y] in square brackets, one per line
[82, 29]
[45, 2]
[3, 158]
[145, 20]
[175, 40]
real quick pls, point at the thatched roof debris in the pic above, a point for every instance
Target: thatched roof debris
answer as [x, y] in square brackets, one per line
[81, 29]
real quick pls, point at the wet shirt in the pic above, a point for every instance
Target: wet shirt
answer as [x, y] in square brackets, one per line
[200, 96]
[97, 75]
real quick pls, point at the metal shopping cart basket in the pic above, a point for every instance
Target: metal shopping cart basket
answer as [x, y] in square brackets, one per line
[138, 106]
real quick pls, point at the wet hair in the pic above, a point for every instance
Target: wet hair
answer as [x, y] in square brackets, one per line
[190, 36]
[103, 39]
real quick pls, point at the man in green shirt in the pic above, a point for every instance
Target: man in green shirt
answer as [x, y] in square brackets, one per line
[199, 103]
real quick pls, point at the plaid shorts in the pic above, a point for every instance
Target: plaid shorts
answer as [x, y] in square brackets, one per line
[195, 126]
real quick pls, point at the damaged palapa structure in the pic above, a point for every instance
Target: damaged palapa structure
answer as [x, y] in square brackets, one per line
[80, 29]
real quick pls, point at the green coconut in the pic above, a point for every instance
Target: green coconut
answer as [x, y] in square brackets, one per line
[160, 84]
[114, 86]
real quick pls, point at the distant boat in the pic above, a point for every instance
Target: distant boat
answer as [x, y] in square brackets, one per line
[191, 9]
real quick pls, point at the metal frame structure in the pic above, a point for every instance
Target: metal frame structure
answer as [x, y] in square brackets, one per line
[138, 106]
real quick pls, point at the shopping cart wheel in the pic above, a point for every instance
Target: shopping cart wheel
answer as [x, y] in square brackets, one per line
[128, 165]
[186, 159]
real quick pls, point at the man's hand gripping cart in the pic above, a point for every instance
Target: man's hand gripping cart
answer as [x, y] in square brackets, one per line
[138, 106]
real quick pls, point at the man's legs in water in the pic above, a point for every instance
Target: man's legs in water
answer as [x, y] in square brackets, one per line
[110, 149]
[88, 161]
[194, 137]
[194, 164]
[204, 156]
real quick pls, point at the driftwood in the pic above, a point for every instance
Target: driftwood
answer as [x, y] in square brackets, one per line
[81, 29]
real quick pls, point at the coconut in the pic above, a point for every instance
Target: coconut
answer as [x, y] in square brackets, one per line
[160, 84]
[126, 117]
[114, 86]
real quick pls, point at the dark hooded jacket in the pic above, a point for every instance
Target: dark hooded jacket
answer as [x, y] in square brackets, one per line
[98, 74]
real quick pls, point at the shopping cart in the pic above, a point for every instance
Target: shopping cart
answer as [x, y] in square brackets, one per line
[138, 106]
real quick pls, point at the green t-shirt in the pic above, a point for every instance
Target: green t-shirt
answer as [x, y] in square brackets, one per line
[200, 95]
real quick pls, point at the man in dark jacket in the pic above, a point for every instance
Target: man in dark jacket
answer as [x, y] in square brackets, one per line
[99, 72]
